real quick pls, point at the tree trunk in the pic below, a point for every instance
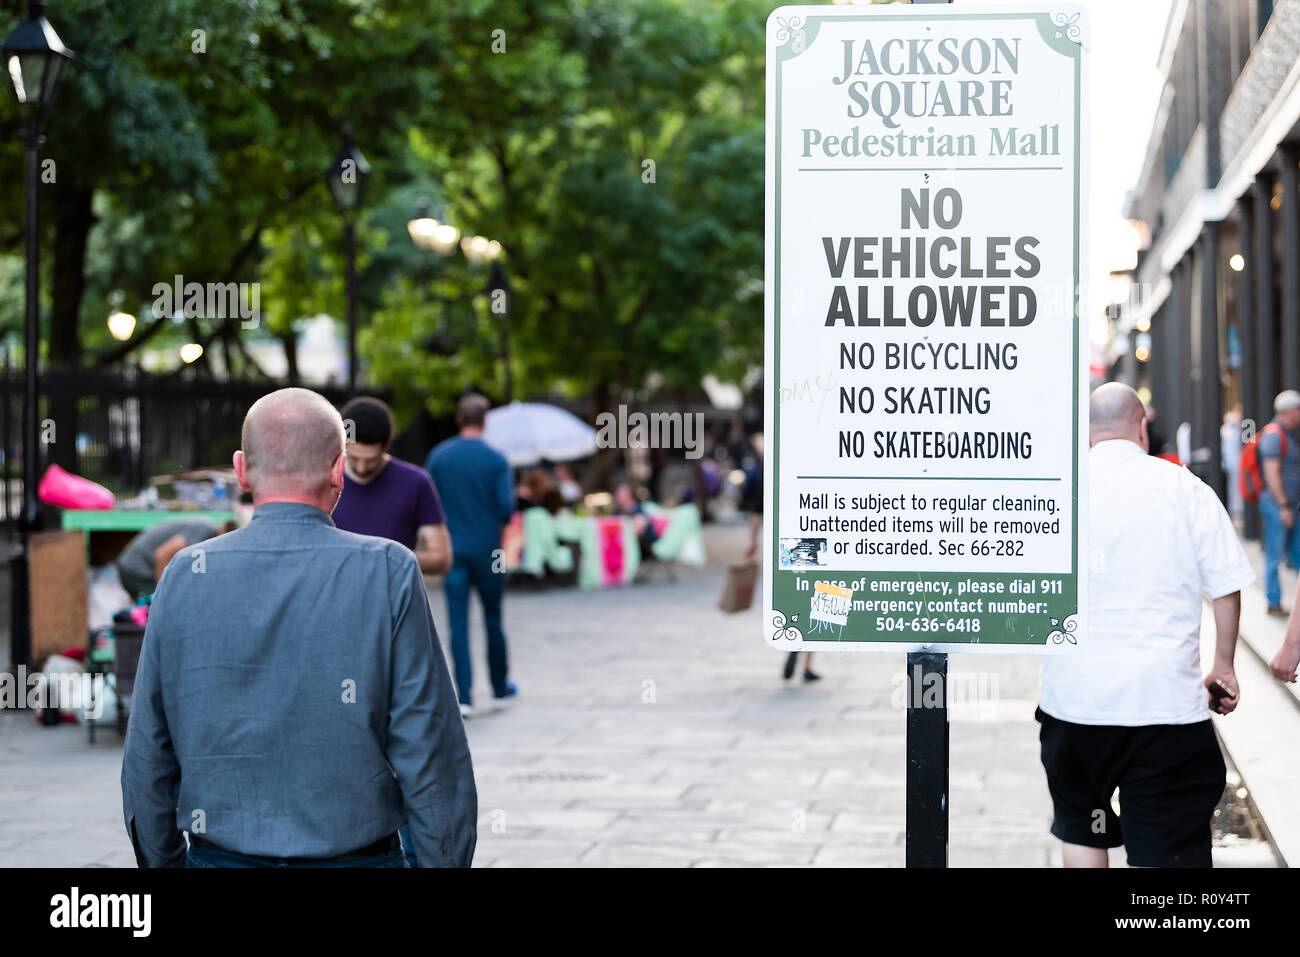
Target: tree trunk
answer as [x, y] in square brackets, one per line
[289, 340]
[602, 466]
[73, 220]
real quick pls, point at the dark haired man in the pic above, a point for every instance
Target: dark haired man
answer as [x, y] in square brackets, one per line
[385, 496]
[476, 485]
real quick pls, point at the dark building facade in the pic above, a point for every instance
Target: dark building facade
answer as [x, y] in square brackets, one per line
[1215, 315]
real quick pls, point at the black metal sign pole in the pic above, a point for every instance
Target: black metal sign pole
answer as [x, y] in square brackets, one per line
[927, 750]
[927, 760]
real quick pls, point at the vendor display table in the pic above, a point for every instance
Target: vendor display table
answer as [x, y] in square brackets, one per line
[610, 554]
[108, 530]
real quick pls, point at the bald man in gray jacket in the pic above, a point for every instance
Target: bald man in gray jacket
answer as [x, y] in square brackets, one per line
[292, 705]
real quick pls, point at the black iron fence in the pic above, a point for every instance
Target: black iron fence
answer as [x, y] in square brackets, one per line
[121, 428]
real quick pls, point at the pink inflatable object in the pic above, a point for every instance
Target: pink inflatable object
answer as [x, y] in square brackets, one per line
[66, 490]
[610, 531]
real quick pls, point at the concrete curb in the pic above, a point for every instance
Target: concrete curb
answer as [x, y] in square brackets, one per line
[1260, 735]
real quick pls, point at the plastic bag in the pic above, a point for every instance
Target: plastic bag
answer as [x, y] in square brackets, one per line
[66, 490]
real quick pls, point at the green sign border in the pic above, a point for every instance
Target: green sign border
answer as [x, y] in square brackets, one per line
[1059, 624]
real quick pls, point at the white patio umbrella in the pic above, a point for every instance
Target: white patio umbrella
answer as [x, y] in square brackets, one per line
[526, 432]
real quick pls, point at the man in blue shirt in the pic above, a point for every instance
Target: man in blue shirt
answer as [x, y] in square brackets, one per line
[292, 707]
[1279, 461]
[478, 497]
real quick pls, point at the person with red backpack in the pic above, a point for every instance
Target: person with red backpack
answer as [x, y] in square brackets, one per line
[1270, 475]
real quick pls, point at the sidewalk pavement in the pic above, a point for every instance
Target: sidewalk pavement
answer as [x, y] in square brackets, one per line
[651, 729]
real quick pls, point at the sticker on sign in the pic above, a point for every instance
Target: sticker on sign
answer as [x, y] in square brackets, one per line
[830, 604]
[926, 191]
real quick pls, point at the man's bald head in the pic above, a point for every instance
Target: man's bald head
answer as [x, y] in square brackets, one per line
[1115, 412]
[291, 440]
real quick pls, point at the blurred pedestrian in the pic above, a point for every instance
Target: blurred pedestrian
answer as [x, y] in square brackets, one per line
[751, 501]
[1230, 455]
[532, 491]
[630, 505]
[474, 480]
[569, 488]
[1287, 659]
[292, 706]
[1129, 709]
[751, 496]
[385, 496]
[142, 562]
[1279, 461]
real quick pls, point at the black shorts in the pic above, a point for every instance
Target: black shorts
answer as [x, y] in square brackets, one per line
[1170, 778]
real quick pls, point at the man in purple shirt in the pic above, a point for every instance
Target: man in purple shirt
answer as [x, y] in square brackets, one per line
[387, 497]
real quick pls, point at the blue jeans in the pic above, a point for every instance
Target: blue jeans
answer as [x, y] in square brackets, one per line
[1278, 540]
[476, 570]
[211, 857]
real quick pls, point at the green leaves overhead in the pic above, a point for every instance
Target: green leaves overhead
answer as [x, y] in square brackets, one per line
[615, 149]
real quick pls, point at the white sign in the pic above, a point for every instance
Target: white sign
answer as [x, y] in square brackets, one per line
[927, 359]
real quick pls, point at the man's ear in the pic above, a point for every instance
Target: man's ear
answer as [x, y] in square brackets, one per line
[336, 471]
[241, 470]
[1144, 439]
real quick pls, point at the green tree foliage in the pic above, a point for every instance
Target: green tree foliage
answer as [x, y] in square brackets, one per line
[533, 122]
[186, 129]
[616, 150]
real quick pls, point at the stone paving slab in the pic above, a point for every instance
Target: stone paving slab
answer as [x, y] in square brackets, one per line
[651, 730]
[770, 772]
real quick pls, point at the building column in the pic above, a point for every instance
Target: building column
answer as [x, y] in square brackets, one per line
[1289, 155]
[1210, 397]
[1157, 379]
[1264, 374]
[1128, 365]
[1180, 365]
[1246, 336]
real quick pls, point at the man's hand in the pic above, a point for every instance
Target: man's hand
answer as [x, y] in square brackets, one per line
[1286, 660]
[1288, 516]
[1229, 680]
[1227, 616]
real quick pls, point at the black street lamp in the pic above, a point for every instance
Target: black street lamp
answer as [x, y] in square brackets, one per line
[439, 238]
[347, 177]
[33, 57]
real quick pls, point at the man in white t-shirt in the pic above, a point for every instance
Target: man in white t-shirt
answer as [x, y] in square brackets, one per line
[1129, 709]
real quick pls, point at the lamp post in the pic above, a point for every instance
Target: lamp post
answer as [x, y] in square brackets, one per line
[499, 293]
[34, 57]
[347, 177]
[479, 250]
[440, 239]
